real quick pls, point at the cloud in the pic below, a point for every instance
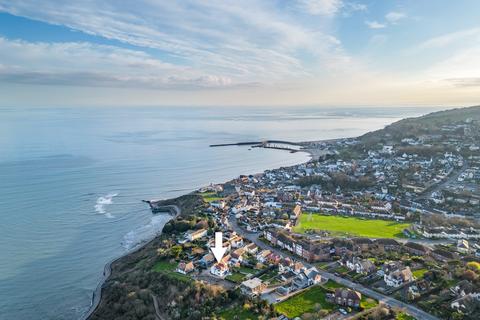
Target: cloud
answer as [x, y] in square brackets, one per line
[465, 82]
[321, 7]
[461, 68]
[86, 64]
[245, 41]
[393, 17]
[375, 25]
[450, 38]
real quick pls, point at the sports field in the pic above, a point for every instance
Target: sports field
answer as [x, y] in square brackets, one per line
[351, 226]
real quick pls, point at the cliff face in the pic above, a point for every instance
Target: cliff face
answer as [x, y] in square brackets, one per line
[135, 282]
[144, 284]
[139, 289]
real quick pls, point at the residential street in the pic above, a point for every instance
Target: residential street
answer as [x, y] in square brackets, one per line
[414, 311]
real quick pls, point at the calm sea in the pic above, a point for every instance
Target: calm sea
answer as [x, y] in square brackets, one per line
[72, 181]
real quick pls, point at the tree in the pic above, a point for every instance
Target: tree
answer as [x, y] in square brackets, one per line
[469, 275]
[175, 251]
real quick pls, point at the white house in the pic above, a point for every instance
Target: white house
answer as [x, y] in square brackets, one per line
[195, 234]
[220, 270]
[398, 277]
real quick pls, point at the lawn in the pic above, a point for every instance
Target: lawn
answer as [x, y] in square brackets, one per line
[419, 273]
[404, 316]
[304, 302]
[246, 270]
[236, 277]
[342, 226]
[270, 277]
[368, 303]
[332, 285]
[168, 269]
[237, 313]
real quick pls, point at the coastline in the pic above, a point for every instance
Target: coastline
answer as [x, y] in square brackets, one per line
[97, 293]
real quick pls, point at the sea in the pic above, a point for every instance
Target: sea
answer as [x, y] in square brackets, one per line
[72, 181]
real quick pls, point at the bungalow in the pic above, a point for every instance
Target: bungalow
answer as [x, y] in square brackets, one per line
[193, 235]
[398, 277]
[253, 287]
[185, 267]
[220, 270]
[347, 297]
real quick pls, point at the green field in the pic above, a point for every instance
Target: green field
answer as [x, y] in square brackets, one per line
[210, 196]
[304, 302]
[351, 226]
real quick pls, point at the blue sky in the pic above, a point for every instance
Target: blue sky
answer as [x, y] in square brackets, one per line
[220, 52]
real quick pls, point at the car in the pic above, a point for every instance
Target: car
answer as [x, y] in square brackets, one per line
[343, 311]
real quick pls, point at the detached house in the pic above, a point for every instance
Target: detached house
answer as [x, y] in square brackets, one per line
[251, 248]
[398, 277]
[363, 266]
[185, 267]
[237, 256]
[347, 297]
[207, 260]
[262, 255]
[253, 287]
[235, 241]
[193, 235]
[220, 270]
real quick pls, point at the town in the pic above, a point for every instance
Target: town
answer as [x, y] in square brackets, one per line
[383, 226]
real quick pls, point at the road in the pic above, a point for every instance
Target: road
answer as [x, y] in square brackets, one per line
[426, 242]
[410, 309]
[451, 179]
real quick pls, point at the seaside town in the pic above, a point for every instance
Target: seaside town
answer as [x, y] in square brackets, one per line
[384, 226]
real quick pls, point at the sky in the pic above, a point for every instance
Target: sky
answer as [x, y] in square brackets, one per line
[239, 53]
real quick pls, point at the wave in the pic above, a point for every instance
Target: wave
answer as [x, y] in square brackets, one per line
[145, 233]
[102, 202]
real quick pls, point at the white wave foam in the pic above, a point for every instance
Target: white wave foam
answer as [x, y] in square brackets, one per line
[104, 201]
[144, 233]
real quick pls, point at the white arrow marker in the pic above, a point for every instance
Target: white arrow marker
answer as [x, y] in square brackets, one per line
[218, 250]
